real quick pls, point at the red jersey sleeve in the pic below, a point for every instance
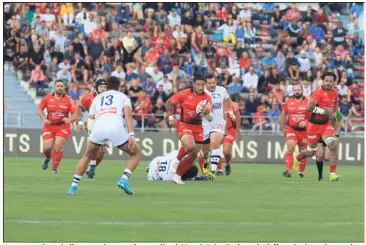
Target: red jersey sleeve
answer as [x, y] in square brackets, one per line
[43, 102]
[317, 95]
[284, 109]
[177, 98]
[71, 106]
[84, 101]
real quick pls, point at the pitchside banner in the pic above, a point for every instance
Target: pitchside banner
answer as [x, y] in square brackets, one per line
[251, 149]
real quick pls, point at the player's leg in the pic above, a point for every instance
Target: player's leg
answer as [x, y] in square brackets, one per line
[332, 144]
[314, 134]
[289, 156]
[131, 164]
[320, 152]
[204, 156]
[90, 151]
[97, 158]
[216, 139]
[58, 152]
[227, 150]
[47, 145]
[302, 143]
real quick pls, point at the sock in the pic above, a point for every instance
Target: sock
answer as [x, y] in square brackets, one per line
[319, 165]
[206, 160]
[56, 159]
[200, 162]
[215, 158]
[126, 174]
[181, 153]
[289, 160]
[93, 161]
[47, 155]
[76, 180]
[302, 165]
[228, 159]
[332, 168]
[183, 166]
[298, 157]
[219, 165]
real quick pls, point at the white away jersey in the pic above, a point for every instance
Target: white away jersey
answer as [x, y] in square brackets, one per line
[109, 105]
[159, 167]
[218, 96]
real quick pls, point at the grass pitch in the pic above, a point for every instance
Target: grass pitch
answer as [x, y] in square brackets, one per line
[254, 204]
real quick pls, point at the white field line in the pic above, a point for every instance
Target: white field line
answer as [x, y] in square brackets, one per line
[169, 223]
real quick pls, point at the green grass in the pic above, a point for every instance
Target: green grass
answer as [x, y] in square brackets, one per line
[254, 204]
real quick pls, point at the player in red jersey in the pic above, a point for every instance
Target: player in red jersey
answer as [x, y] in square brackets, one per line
[323, 104]
[293, 122]
[194, 103]
[84, 104]
[56, 129]
[233, 120]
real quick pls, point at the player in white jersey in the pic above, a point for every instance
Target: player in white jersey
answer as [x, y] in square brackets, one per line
[107, 110]
[213, 132]
[160, 169]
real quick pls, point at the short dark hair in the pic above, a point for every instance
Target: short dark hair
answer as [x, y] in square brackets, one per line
[329, 73]
[113, 83]
[210, 76]
[198, 76]
[190, 173]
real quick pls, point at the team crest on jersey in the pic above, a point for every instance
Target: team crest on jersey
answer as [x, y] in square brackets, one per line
[216, 95]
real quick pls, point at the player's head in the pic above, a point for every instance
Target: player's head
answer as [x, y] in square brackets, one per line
[329, 80]
[199, 83]
[113, 83]
[297, 91]
[60, 87]
[191, 172]
[100, 86]
[211, 82]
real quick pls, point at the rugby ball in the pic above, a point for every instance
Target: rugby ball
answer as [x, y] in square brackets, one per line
[200, 107]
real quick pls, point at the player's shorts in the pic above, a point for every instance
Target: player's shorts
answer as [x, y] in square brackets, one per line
[189, 129]
[213, 127]
[229, 137]
[316, 131]
[51, 132]
[300, 137]
[116, 134]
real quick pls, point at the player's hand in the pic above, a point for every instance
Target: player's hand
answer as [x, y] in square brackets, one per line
[330, 113]
[172, 122]
[237, 135]
[207, 109]
[105, 147]
[46, 122]
[302, 124]
[131, 142]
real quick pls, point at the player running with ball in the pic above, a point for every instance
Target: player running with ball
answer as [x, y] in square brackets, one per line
[56, 129]
[107, 110]
[84, 104]
[214, 131]
[295, 115]
[323, 105]
[195, 103]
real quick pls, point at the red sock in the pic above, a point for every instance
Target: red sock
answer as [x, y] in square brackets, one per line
[181, 153]
[219, 167]
[94, 158]
[332, 168]
[302, 165]
[183, 166]
[288, 160]
[228, 159]
[299, 158]
[56, 159]
[200, 162]
[47, 155]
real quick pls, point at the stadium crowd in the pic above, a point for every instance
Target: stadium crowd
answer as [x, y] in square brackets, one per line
[257, 51]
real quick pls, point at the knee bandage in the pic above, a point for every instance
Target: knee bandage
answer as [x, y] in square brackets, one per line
[330, 141]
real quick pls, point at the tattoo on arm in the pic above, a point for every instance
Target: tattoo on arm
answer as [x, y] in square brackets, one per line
[168, 107]
[311, 105]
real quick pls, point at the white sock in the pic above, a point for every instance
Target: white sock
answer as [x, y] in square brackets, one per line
[175, 176]
[215, 158]
[93, 162]
[126, 174]
[76, 180]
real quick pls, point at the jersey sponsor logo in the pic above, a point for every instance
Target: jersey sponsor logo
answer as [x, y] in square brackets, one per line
[217, 106]
[290, 134]
[107, 110]
[312, 137]
[57, 114]
[219, 126]
[229, 137]
[46, 133]
[63, 106]
[215, 95]
[297, 117]
[64, 131]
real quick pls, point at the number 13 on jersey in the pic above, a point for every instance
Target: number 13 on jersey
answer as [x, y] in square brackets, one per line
[106, 100]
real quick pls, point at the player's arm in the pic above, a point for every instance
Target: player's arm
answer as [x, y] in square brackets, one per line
[172, 101]
[237, 125]
[340, 124]
[75, 113]
[40, 109]
[208, 110]
[91, 117]
[127, 109]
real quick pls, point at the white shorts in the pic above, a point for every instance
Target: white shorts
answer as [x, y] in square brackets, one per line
[101, 134]
[214, 127]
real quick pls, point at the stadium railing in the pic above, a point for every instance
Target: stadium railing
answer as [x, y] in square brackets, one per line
[354, 126]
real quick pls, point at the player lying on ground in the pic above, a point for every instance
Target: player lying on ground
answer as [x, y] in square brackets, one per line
[159, 169]
[293, 125]
[233, 120]
[323, 105]
[214, 130]
[84, 105]
[56, 129]
[108, 109]
[322, 153]
[195, 103]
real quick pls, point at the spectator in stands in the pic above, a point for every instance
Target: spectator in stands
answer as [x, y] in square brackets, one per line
[118, 72]
[280, 64]
[67, 13]
[142, 107]
[134, 90]
[263, 82]
[249, 33]
[78, 72]
[74, 93]
[250, 81]
[245, 14]
[96, 49]
[357, 46]
[244, 63]
[159, 114]
[21, 59]
[123, 13]
[268, 61]
[308, 16]
[251, 107]
[354, 93]
[149, 86]
[304, 64]
[38, 79]
[342, 88]
[339, 35]
[234, 87]
[166, 84]
[273, 116]
[64, 75]
[292, 65]
[36, 57]
[293, 14]
[228, 30]
[173, 18]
